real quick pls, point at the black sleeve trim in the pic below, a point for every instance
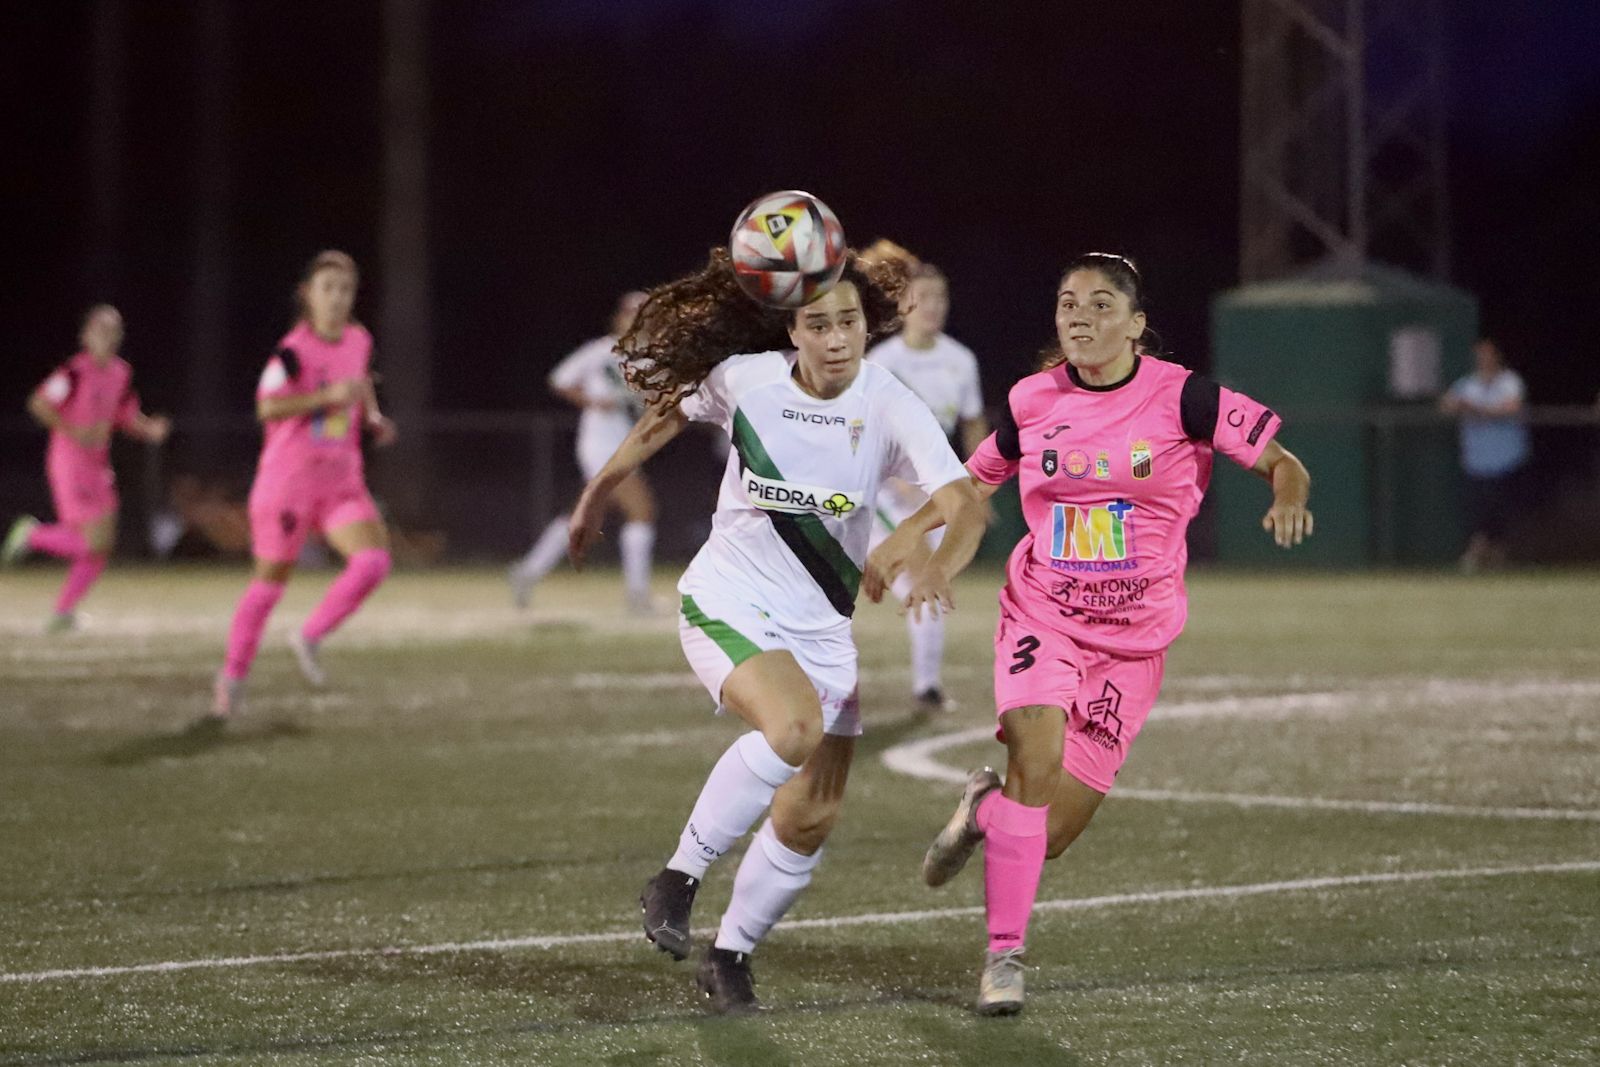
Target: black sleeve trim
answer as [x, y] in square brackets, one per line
[291, 362]
[1007, 437]
[1198, 406]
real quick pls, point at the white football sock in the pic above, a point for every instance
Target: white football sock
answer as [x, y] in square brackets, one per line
[737, 792]
[636, 540]
[770, 879]
[546, 552]
[927, 642]
[927, 651]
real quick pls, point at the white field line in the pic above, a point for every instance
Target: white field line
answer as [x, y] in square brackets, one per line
[1379, 807]
[880, 918]
[918, 759]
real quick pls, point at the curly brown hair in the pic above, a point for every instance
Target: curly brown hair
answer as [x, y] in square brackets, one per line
[690, 325]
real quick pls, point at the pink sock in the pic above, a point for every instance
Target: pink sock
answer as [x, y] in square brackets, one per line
[1013, 858]
[58, 540]
[249, 620]
[360, 577]
[80, 576]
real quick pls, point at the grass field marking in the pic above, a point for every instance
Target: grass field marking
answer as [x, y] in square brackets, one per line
[1378, 807]
[880, 918]
[918, 759]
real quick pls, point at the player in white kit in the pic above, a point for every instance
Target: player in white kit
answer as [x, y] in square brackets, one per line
[944, 373]
[590, 379]
[766, 604]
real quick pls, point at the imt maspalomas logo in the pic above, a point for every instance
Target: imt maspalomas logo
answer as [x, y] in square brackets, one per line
[1102, 532]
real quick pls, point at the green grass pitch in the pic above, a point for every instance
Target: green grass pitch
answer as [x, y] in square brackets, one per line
[1362, 827]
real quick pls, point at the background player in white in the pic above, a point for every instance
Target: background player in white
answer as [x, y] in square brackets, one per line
[590, 379]
[766, 605]
[944, 373]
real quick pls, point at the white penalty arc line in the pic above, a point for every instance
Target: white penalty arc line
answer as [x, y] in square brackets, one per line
[917, 759]
[881, 918]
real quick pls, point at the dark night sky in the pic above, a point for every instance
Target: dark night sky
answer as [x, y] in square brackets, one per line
[587, 148]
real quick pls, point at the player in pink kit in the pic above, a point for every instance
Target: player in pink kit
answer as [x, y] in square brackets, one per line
[1113, 450]
[81, 402]
[314, 398]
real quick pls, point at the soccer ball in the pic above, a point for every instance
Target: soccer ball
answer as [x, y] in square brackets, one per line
[788, 249]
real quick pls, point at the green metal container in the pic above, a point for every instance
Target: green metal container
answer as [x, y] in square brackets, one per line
[1354, 359]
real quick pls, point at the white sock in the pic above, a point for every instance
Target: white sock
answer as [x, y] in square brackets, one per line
[547, 551]
[927, 642]
[770, 879]
[927, 651]
[637, 540]
[737, 792]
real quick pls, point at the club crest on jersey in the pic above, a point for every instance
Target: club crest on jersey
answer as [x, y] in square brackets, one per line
[1141, 459]
[1048, 463]
[1076, 464]
[1102, 466]
[857, 428]
[770, 494]
[1102, 532]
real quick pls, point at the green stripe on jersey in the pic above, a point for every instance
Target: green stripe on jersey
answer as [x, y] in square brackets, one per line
[751, 451]
[734, 644]
[817, 550]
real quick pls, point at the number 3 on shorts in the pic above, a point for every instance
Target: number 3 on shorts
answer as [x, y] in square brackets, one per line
[1024, 654]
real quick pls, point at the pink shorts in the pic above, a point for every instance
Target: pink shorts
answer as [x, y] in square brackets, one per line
[1107, 697]
[83, 492]
[282, 517]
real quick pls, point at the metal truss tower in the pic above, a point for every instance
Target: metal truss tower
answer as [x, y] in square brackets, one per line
[1342, 135]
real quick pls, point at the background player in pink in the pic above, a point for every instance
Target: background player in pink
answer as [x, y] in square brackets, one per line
[81, 402]
[1113, 450]
[314, 398]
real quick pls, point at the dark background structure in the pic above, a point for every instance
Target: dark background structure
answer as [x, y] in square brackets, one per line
[580, 149]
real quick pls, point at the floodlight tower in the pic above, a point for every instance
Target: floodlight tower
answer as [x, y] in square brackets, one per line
[1342, 135]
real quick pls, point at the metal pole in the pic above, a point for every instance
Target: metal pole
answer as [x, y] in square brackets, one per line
[208, 297]
[1355, 130]
[107, 112]
[405, 340]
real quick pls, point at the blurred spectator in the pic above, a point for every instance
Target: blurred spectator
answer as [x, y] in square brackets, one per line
[198, 521]
[1494, 448]
[202, 521]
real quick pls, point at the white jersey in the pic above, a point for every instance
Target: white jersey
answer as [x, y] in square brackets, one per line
[794, 513]
[595, 370]
[944, 376]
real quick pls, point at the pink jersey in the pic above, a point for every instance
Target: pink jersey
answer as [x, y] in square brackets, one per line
[321, 447]
[1110, 478]
[87, 393]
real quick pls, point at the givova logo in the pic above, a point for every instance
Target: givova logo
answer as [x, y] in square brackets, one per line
[769, 494]
[1104, 531]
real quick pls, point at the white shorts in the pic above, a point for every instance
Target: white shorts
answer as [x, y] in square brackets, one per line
[719, 632]
[595, 448]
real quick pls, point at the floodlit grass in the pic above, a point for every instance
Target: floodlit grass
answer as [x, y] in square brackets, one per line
[474, 773]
